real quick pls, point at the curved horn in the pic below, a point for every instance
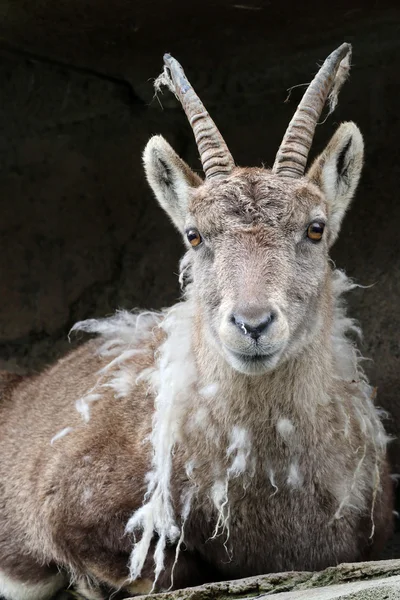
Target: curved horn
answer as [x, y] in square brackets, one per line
[216, 159]
[292, 155]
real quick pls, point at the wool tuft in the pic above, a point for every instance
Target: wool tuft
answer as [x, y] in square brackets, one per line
[171, 384]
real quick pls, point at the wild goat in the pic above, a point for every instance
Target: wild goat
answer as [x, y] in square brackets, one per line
[229, 435]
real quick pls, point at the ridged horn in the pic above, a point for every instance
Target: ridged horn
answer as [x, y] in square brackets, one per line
[216, 159]
[292, 155]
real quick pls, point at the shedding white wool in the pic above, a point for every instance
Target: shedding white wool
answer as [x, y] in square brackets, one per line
[122, 383]
[143, 519]
[209, 391]
[379, 440]
[368, 418]
[164, 80]
[240, 449]
[219, 496]
[200, 419]
[126, 355]
[345, 417]
[87, 494]
[285, 428]
[382, 438]
[61, 434]
[350, 488]
[83, 405]
[347, 358]
[121, 337]
[295, 478]
[342, 74]
[119, 330]
[189, 468]
[171, 384]
[185, 271]
[340, 78]
[346, 355]
[186, 506]
[271, 476]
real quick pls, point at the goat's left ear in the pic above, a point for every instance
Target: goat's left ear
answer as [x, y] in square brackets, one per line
[170, 178]
[337, 171]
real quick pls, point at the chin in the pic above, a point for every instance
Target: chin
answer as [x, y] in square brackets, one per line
[256, 364]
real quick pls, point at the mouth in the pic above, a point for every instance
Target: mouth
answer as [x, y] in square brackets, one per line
[252, 363]
[253, 358]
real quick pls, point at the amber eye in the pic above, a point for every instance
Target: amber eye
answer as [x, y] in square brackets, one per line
[315, 231]
[194, 237]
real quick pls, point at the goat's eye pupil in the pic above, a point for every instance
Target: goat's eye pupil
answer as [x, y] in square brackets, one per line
[315, 231]
[194, 237]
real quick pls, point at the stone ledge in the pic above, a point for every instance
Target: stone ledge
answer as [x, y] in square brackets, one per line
[369, 580]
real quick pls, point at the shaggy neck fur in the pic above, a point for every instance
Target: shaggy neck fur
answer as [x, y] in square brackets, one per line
[204, 408]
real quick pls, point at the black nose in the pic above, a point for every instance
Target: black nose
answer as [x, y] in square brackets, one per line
[252, 328]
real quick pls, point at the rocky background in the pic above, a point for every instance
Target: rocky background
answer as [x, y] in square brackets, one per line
[80, 233]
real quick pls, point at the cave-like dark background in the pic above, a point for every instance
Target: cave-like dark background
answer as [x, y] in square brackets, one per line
[80, 233]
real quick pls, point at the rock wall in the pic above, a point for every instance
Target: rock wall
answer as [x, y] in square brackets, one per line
[80, 232]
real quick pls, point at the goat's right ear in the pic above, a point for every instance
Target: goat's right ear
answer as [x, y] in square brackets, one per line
[170, 178]
[337, 171]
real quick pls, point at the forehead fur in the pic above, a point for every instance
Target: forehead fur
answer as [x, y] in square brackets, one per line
[252, 195]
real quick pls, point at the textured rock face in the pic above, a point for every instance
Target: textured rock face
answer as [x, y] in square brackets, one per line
[381, 589]
[80, 232]
[335, 582]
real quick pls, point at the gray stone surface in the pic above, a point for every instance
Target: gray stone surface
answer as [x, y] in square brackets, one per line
[388, 589]
[359, 581]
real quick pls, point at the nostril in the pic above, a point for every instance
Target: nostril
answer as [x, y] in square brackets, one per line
[239, 321]
[266, 323]
[251, 328]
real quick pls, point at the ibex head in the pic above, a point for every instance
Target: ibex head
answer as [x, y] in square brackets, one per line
[259, 239]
